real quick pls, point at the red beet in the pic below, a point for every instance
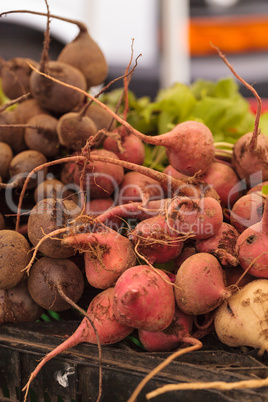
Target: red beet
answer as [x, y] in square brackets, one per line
[172, 337]
[200, 284]
[252, 245]
[144, 298]
[221, 245]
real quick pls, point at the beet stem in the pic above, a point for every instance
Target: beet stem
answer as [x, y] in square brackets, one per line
[82, 27]
[256, 131]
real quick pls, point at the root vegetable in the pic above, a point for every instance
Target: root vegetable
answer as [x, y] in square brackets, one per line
[251, 247]
[189, 146]
[250, 152]
[99, 206]
[107, 254]
[125, 145]
[50, 95]
[200, 284]
[101, 117]
[17, 305]
[15, 76]
[156, 239]
[14, 256]
[74, 129]
[84, 54]
[199, 218]
[172, 337]
[57, 98]
[242, 320]
[225, 182]
[257, 188]
[137, 187]
[50, 188]
[6, 155]
[100, 178]
[247, 211]
[26, 110]
[44, 137]
[186, 154]
[47, 275]
[144, 298]
[23, 163]
[221, 245]
[11, 135]
[47, 215]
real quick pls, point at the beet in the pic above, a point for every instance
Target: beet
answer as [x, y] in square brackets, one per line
[200, 284]
[49, 274]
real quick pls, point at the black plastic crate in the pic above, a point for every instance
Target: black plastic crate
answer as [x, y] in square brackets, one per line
[123, 367]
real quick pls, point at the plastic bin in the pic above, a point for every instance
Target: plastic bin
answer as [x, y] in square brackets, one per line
[74, 375]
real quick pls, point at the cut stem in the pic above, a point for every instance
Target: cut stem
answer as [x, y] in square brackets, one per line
[256, 131]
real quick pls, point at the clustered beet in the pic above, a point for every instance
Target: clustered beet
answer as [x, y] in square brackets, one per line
[80, 208]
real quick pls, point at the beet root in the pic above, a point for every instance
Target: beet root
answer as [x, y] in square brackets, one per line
[129, 148]
[15, 76]
[170, 338]
[101, 178]
[49, 274]
[221, 245]
[74, 130]
[14, 257]
[84, 54]
[53, 96]
[46, 216]
[200, 284]
[197, 218]
[107, 254]
[156, 239]
[247, 211]
[17, 305]
[144, 298]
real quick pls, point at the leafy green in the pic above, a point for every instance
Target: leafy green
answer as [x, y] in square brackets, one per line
[265, 189]
[264, 123]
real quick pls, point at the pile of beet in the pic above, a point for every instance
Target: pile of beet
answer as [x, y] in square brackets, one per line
[165, 256]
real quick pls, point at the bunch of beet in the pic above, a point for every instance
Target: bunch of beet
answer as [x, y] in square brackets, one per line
[152, 253]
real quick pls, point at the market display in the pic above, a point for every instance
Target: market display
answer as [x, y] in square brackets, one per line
[154, 212]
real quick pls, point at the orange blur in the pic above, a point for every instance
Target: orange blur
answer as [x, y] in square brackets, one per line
[232, 34]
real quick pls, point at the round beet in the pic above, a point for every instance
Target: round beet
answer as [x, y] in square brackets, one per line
[144, 298]
[14, 257]
[6, 155]
[15, 76]
[53, 96]
[17, 305]
[75, 129]
[47, 275]
[101, 179]
[23, 163]
[200, 284]
[46, 216]
[44, 137]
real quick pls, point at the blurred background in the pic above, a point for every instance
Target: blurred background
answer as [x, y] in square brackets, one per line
[173, 36]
